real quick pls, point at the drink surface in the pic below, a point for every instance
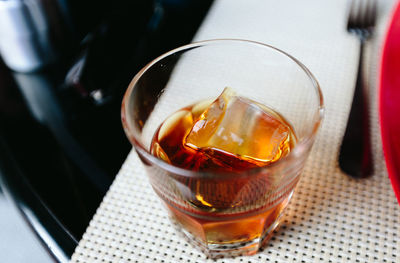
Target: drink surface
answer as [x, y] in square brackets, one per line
[230, 134]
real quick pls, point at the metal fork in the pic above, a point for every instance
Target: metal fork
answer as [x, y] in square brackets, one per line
[355, 156]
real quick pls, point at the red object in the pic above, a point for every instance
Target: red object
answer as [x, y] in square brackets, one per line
[389, 99]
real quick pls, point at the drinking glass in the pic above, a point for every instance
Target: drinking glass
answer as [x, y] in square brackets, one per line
[248, 205]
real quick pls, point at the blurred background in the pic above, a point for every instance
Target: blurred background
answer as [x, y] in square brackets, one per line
[64, 66]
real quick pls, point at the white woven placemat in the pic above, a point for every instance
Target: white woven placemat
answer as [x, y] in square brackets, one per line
[331, 218]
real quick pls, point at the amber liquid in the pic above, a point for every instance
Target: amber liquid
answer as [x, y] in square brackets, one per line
[223, 210]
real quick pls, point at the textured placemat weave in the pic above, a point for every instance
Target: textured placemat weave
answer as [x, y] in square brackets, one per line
[331, 218]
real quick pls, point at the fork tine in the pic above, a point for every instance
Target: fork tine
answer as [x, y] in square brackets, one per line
[365, 11]
[362, 16]
[352, 16]
[357, 14]
[372, 13]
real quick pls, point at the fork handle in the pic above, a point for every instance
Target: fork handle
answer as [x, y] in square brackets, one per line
[355, 156]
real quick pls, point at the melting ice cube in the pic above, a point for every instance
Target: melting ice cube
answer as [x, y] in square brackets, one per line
[241, 127]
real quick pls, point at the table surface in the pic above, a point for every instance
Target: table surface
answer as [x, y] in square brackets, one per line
[331, 217]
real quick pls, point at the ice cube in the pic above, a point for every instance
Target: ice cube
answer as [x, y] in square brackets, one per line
[242, 127]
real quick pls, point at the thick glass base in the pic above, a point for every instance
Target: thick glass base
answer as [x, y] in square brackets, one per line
[229, 235]
[224, 250]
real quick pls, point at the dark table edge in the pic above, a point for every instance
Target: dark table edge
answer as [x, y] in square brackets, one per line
[55, 238]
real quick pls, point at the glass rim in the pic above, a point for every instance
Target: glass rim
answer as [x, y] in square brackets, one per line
[301, 146]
